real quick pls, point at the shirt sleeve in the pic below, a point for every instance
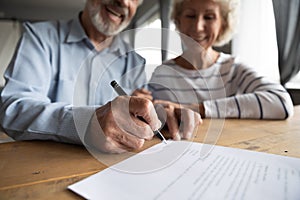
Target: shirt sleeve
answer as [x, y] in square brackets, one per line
[135, 75]
[26, 111]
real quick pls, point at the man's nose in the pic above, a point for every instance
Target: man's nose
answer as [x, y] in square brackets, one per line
[123, 3]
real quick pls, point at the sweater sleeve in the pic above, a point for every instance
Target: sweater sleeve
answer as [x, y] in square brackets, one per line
[253, 97]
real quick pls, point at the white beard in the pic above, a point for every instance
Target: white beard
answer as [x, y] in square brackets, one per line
[105, 26]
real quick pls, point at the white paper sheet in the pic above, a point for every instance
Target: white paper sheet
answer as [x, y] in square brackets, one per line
[179, 171]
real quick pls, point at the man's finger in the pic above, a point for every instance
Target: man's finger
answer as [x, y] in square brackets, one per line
[144, 108]
[127, 141]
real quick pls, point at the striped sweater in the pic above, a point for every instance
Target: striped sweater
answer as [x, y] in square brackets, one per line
[227, 89]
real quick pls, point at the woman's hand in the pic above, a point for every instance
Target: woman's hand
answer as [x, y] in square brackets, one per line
[181, 121]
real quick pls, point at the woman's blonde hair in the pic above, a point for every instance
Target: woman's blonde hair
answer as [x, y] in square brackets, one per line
[229, 12]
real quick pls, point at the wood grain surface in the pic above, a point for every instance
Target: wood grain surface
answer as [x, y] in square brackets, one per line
[44, 169]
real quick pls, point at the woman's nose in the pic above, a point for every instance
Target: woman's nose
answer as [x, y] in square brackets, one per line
[199, 24]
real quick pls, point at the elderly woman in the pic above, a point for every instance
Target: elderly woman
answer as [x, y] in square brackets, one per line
[213, 83]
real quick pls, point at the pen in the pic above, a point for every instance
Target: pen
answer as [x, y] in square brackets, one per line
[121, 92]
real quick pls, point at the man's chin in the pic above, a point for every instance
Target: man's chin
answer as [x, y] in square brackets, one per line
[111, 30]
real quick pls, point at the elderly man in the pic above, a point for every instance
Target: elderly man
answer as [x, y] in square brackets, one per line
[57, 84]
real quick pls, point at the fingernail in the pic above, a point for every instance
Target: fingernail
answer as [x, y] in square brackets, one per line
[158, 125]
[177, 137]
[189, 135]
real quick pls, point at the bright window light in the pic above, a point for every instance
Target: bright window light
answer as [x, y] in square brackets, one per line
[255, 42]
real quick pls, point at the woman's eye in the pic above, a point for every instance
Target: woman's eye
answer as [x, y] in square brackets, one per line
[190, 16]
[209, 17]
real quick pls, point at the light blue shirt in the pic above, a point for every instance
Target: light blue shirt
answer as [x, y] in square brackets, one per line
[57, 79]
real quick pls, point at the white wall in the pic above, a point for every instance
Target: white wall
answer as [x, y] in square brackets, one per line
[40, 9]
[255, 42]
[9, 36]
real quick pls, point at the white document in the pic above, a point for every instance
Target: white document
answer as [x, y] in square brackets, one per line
[187, 170]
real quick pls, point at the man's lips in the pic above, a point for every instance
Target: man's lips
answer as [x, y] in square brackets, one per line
[114, 12]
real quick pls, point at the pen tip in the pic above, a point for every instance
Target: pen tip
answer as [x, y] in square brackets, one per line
[113, 83]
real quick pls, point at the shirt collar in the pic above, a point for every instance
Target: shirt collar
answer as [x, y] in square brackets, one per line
[77, 34]
[118, 45]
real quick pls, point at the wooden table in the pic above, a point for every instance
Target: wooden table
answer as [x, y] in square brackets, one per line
[43, 169]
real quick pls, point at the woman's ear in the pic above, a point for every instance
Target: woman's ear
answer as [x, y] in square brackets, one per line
[222, 29]
[177, 23]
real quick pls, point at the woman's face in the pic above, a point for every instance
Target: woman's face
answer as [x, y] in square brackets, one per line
[201, 20]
